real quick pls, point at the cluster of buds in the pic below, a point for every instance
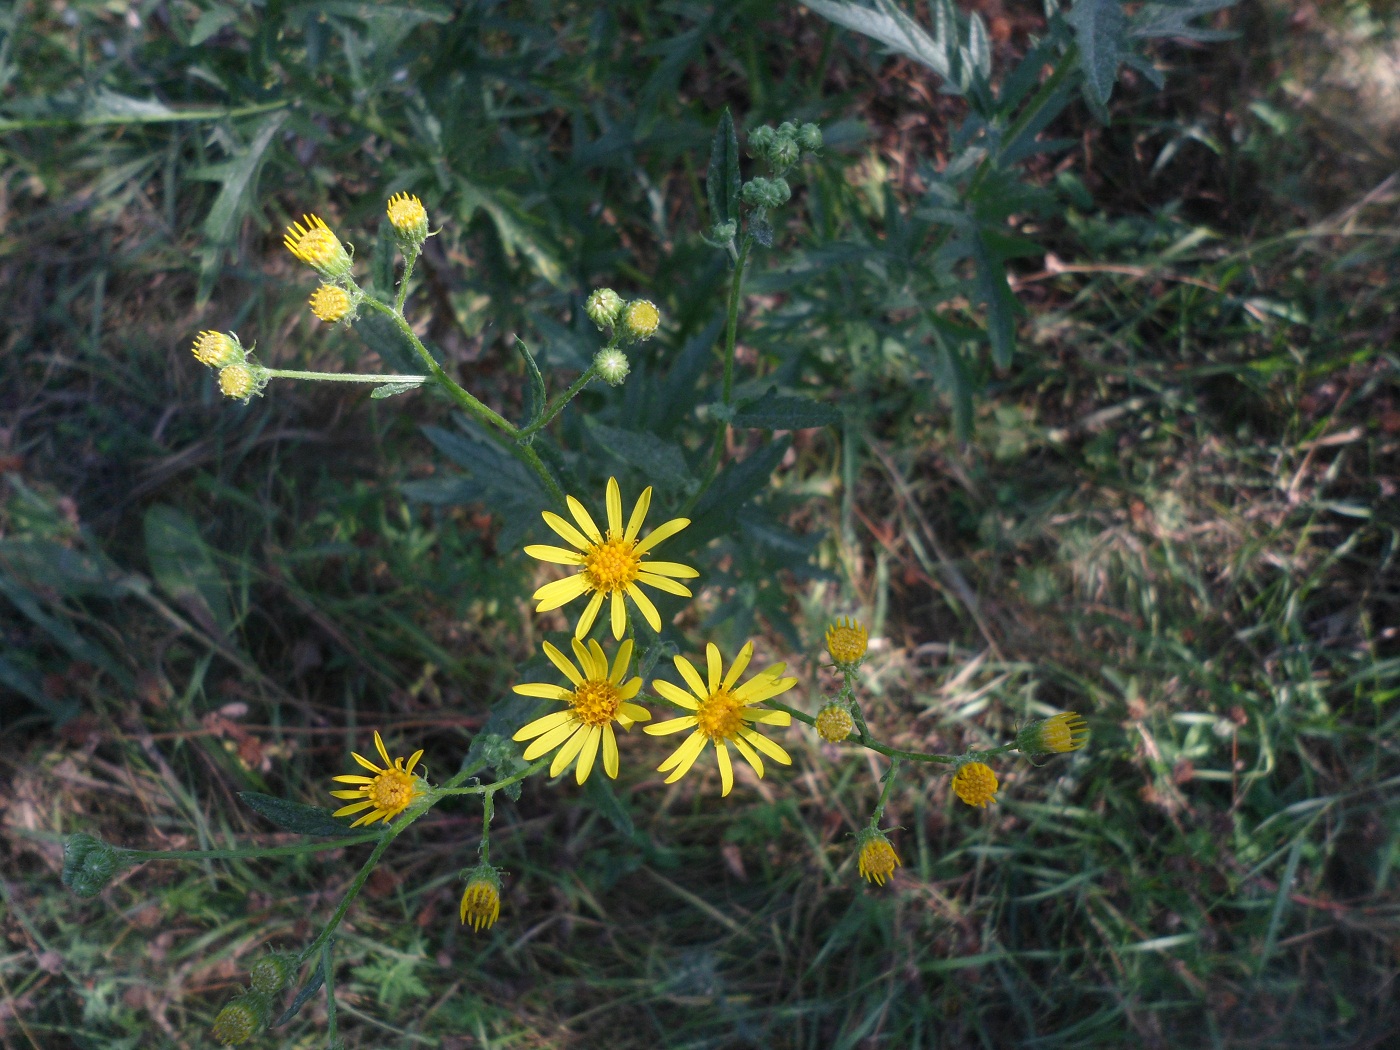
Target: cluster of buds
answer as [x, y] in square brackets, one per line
[89, 864]
[240, 377]
[633, 321]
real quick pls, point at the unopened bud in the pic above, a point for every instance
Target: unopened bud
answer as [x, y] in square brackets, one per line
[238, 382]
[603, 307]
[640, 319]
[89, 864]
[217, 349]
[244, 1017]
[273, 972]
[834, 723]
[410, 222]
[784, 152]
[612, 366]
[723, 232]
[759, 140]
[809, 137]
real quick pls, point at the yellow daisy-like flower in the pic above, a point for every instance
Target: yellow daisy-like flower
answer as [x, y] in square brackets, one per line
[611, 565]
[1064, 732]
[481, 900]
[330, 302]
[975, 784]
[845, 641]
[216, 349]
[877, 859]
[386, 794]
[724, 714]
[315, 245]
[597, 699]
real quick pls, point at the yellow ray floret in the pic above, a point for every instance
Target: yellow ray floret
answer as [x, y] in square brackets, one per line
[386, 794]
[611, 565]
[598, 698]
[723, 714]
[481, 900]
[877, 859]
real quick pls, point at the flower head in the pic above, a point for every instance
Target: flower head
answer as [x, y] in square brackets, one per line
[273, 972]
[597, 699]
[845, 641]
[1063, 732]
[330, 302]
[610, 565]
[315, 245]
[244, 1017]
[603, 307]
[238, 382]
[612, 366]
[640, 319]
[723, 714]
[481, 900]
[217, 349]
[975, 784]
[408, 217]
[386, 794]
[834, 723]
[877, 859]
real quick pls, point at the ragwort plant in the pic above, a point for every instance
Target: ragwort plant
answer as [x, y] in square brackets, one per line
[611, 562]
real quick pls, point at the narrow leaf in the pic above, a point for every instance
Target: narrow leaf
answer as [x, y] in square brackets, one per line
[535, 395]
[1101, 30]
[390, 389]
[722, 180]
[184, 568]
[775, 412]
[296, 816]
[233, 203]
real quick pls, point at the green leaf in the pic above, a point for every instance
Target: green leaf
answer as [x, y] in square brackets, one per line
[536, 397]
[1101, 29]
[184, 568]
[722, 180]
[659, 460]
[297, 817]
[390, 389]
[893, 28]
[774, 412]
[718, 510]
[209, 23]
[994, 291]
[233, 203]
[310, 988]
[600, 792]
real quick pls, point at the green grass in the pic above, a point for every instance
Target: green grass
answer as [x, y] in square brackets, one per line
[1176, 515]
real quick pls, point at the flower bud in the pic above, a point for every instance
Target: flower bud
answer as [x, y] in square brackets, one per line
[315, 245]
[640, 319]
[809, 137]
[244, 1017]
[787, 129]
[331, 303]
[846, 640]
[612, 366]
[603, 307]
[273, 972]
[481, 900]
[410, 222]
[784, 152]
[759, 140]
[834, 723]
[724, 232]
[976, 784]
[1064, 732]
[781, 192]
[89, 864]
[754, 192]
[238, 382]
[877, 857]
[217, 349]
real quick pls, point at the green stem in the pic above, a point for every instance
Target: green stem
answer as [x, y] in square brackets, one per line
[328, 972]
[864, 739]
[408, 261]
[500, 428]
[354, 891]
[250, 851]
[488, 811]
[341, 377]
[884, 794]
[478, 789]
[557, 405]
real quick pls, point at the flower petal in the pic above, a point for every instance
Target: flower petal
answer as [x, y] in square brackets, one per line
[609, 751]
[621, 662]
[740, 662]
[644, 604]
[379, 743]
[589, 753]
[634, 712]
[554, 555]
[675, 694]
[765, 716]
[583, 656]
[761, 687]
[726, 770]
[563, 663]
[685, 754]
[671, 725]
[639, 513]
[348, 794]
[543, 690]
[345, 811]
[750, 756]
[714, 665]
[566, 753]
[664, 531]
[619, 614]
[413, 760]
[366, 762]
[544, 725]
[670, 568]
[560, 592]
[556, 736]
[590, 613]
[692, 677]
[629, 689]
[566, 532]
[662, 583]
[762, 743]
[614, 501]
[584, 519]
[350, 778]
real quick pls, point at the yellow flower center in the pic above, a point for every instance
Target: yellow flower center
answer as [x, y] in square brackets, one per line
[236, 381]
[213, 348]
[330, 303]
[846, 641]
[406, 212]
[317, 246]
[596, 702]
[877, 861]
[391, 791]
[719, 716]
[642, 318]
[611, 565]
[975, 784]
[834, 723]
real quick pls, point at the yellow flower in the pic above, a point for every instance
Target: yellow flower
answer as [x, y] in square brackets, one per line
[386, 794]
[216, 349]
[640, 320]
[244, 1017]
[723, 714]
[1063, 732]
[330, 302]
[407, 214]
[611, 565]
[845, 641]
[877, 857]
[481, 900]
[238, 381]
[315, 245]
[595, 702]
[975, 784]
[834, 723]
